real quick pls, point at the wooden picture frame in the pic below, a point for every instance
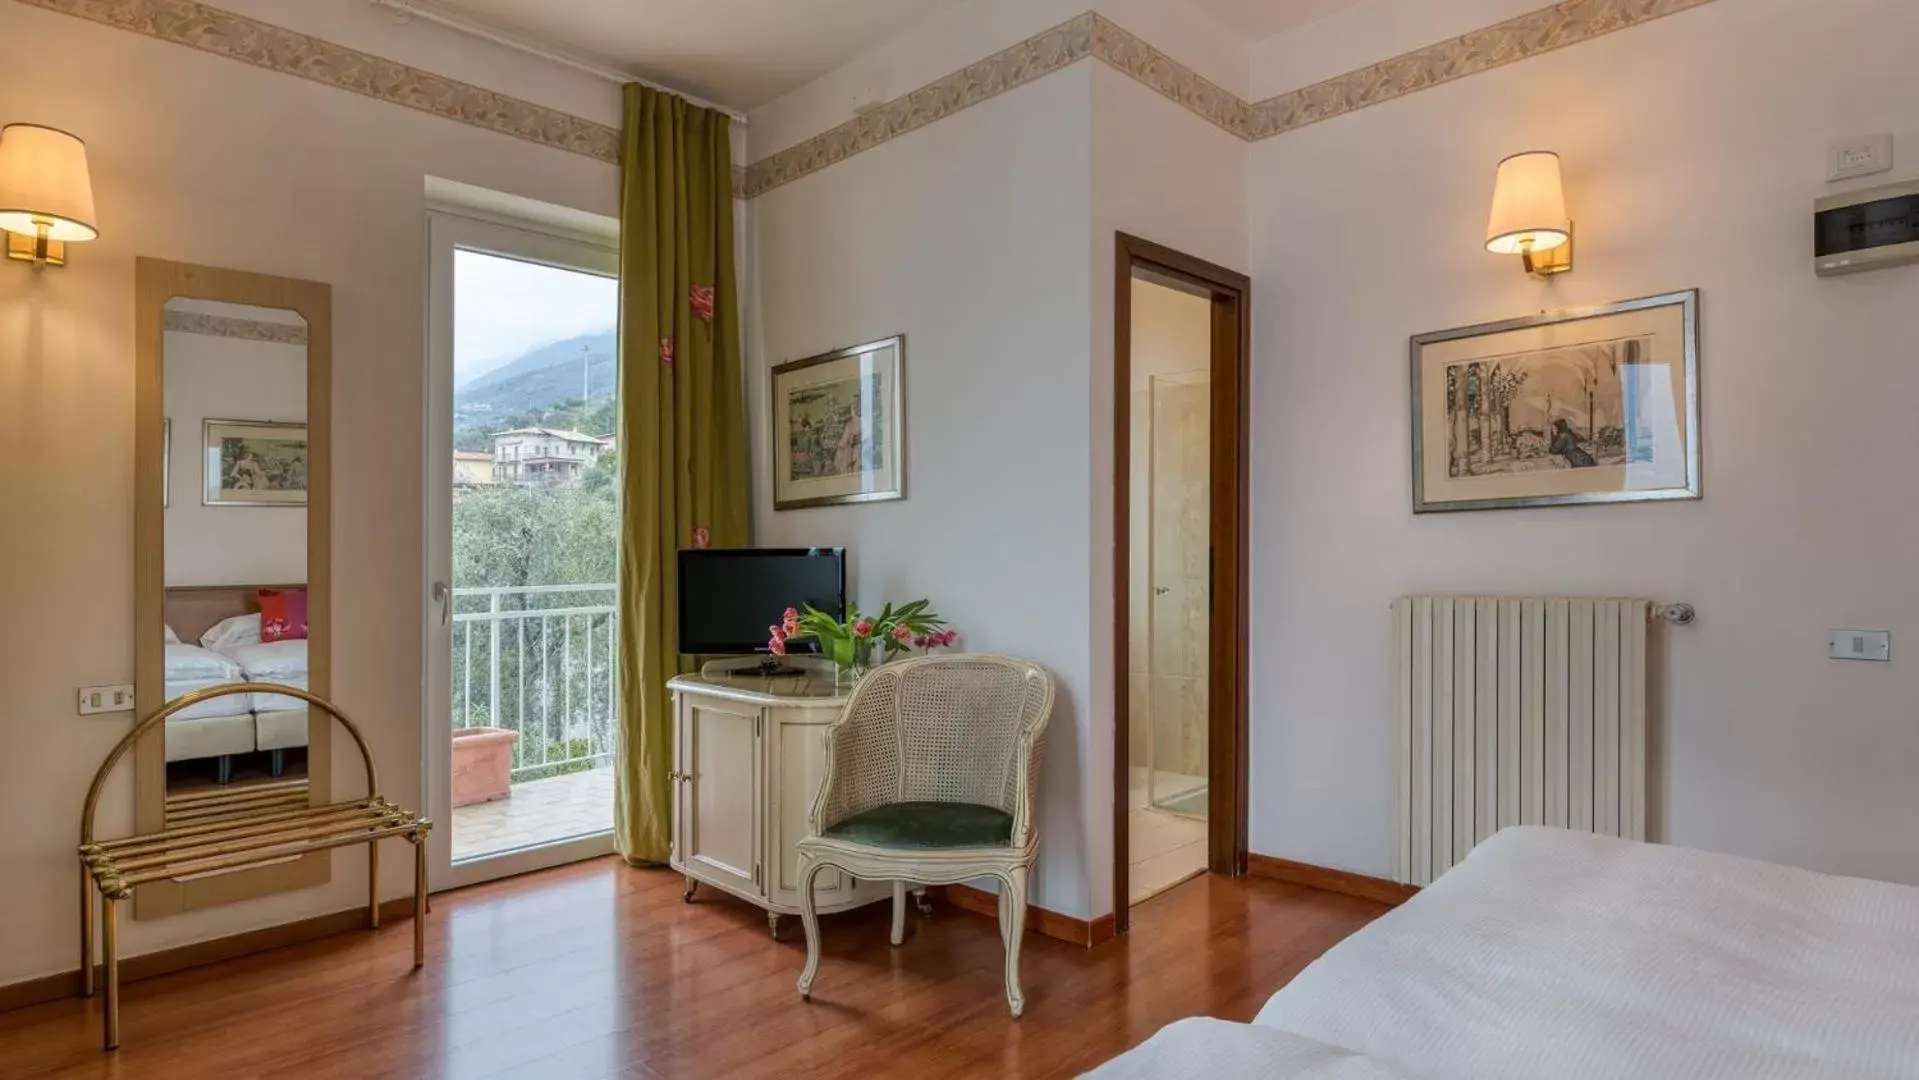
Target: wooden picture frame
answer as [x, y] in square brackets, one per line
[839, 426]
[1563, 408]
[274, 454]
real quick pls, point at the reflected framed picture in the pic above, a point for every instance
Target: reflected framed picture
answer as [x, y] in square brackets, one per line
[839, 427]
[1598, 405]
[255, 463]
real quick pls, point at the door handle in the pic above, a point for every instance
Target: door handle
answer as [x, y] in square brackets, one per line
[443, 596]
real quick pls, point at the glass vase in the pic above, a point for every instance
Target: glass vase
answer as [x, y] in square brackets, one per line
[852, 659]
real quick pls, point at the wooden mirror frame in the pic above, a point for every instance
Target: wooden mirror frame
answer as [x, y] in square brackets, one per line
[157, 281]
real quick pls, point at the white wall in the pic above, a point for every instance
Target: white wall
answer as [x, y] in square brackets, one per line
[968, 236]
[206, 160]
[1693, 149]
[223, 378]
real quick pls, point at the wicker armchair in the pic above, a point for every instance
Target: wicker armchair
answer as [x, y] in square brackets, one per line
[930, 779]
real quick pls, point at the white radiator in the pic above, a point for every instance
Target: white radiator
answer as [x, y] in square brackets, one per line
[1515, 711]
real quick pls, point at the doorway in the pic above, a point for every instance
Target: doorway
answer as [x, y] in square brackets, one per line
[521, 548]
[1181, 348]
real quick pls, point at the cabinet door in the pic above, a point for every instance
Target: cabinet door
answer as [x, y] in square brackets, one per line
[719, 810]
[798, 765]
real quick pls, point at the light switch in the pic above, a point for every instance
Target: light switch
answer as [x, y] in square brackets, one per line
[116, 697]
[1860, 645]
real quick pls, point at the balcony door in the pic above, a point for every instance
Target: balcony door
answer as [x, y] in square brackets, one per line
[521, 545]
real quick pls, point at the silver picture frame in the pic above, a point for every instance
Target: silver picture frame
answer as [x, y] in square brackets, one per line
[883, 482]
[1685, 304]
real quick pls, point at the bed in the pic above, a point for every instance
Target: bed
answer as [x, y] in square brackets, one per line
[212, 729]
[225, 621]
[1563, 954]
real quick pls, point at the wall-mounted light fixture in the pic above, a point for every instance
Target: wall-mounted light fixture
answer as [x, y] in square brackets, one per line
[1529, 214]
[46, 194]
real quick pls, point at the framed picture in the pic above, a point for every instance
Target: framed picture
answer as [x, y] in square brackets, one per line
[839, 427]
[252, 463]
[1599, 405]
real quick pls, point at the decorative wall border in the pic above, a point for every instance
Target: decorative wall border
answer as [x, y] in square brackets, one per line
[1569, 22]
[250, 41]
[1090, 35]
[226, 326]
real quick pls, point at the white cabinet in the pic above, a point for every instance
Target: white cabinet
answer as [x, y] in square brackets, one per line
[750, 754]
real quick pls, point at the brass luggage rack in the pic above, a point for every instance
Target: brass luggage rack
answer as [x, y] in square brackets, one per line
[246, 832]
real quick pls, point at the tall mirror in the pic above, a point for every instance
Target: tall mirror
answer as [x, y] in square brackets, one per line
[230, 578]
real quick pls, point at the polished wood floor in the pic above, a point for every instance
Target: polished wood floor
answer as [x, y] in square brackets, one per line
[599, 970]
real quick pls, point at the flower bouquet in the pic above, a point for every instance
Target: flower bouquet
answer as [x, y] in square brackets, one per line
[850, 642]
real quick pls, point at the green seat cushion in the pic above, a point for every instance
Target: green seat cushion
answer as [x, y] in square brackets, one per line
[927, 826]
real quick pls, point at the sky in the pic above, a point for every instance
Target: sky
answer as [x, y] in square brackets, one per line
[504, 308]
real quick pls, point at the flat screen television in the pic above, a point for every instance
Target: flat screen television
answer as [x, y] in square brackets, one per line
[729, 597]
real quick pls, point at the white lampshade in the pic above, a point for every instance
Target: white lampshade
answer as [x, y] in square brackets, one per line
[44, 180]
[1529, 206]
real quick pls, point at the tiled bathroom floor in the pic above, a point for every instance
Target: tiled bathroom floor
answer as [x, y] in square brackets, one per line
[1164, 849]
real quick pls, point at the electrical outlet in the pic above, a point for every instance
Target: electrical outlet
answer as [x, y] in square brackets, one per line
[1859, 157]
[116, 697]
[1860, 645]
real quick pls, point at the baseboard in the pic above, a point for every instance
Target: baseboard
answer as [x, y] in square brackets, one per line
[1325, 878]
[167, 961]
[1039, 920]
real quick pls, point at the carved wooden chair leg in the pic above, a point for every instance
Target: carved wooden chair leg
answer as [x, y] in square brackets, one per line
[690, 886]
[773, 924]
[1012, 927]
[810, 921]
[109, 946]
[899, 913]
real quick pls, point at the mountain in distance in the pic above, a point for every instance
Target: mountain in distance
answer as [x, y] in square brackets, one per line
[542, 378]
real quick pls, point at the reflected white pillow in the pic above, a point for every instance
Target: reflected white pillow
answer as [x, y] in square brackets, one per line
[239, 630]
[172, 638]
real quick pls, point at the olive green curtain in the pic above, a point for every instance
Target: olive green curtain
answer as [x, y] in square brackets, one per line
[682, 446]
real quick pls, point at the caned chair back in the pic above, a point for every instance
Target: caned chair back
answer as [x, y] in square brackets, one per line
[962, 728]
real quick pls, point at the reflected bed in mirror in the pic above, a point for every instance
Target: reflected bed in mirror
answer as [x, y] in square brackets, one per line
[230, 581]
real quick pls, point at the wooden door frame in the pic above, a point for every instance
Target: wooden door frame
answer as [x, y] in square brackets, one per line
[1231, 296]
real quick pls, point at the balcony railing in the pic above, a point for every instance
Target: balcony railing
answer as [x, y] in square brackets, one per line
[539, 660]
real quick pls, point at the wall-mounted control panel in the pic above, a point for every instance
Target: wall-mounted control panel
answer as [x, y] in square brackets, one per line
[1866, 230]
[1860, 645]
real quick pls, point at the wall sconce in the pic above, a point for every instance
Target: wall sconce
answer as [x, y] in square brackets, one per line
[46, 194]
[1529, 214]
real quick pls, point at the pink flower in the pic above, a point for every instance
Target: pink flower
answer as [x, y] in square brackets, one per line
[701, 299]
[779, 632]
[777, 647]
[863, 628]
[922, 642]
[702, 538]
[902, 632]
[948, 638]
[791, 620]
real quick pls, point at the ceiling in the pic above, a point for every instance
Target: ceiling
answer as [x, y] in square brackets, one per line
[1259, 19]
[737, 53]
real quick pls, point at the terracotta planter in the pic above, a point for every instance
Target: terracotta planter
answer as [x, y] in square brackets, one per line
[482, 764]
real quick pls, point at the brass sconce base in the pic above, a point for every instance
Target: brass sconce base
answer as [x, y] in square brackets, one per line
[1547, 265]
[38, 250]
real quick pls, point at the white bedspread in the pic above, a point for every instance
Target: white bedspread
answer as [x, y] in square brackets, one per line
[271, 661]
[1557, 954]
[1207, 1049]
